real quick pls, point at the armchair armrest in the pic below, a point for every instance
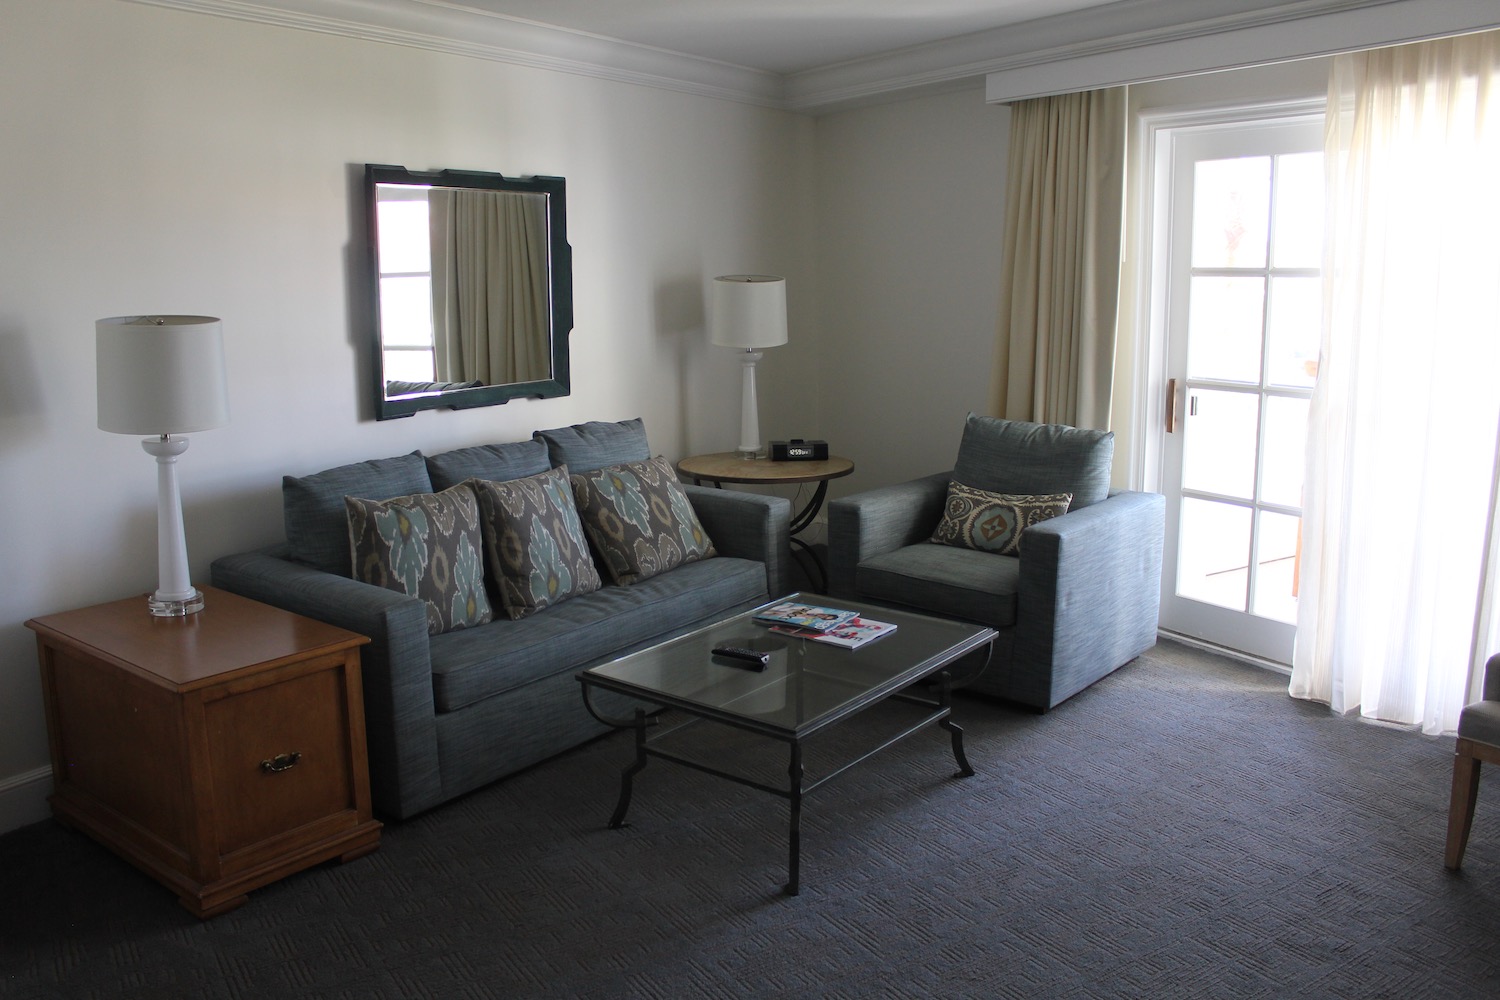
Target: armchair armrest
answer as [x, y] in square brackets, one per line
[1089, 594]
[396, 667]
[748, 526]
[881, 520]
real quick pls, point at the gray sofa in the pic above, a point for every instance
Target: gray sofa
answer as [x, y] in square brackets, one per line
[1079, 600]
[448, 713]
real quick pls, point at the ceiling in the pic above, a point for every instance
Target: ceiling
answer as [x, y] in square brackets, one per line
[779, 36]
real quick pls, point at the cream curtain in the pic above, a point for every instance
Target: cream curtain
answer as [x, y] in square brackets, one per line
[1398, 591]
[1065, 185]
[489, 286]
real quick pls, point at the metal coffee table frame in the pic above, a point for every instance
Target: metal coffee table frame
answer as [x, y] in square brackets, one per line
[798, 788]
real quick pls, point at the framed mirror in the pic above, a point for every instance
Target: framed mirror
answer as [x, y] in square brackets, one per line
[472, 277]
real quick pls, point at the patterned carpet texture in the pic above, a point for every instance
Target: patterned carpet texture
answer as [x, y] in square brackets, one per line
[1181, 829]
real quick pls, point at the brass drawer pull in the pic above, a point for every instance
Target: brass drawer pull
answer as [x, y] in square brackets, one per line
[281, 762]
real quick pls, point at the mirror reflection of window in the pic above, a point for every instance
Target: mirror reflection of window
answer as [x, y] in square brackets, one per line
[404, 258]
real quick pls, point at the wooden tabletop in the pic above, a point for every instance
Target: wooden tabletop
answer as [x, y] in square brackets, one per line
[729, 467]
[230, 634]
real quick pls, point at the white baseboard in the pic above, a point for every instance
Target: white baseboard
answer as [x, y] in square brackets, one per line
[1233, 654]
[23, 798]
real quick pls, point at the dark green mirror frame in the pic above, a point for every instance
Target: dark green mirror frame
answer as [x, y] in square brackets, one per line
[401, 400]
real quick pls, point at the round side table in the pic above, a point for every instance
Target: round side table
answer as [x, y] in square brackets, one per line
[727, 467]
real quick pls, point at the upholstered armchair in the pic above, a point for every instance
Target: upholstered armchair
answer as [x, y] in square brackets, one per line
[1478, 740]
[1076, 601]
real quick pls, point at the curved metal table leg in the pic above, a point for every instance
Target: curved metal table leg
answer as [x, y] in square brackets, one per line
[954, 729]
[627, 776]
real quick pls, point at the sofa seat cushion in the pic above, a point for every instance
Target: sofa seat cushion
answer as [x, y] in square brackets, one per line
[944, 580]
[479, 663]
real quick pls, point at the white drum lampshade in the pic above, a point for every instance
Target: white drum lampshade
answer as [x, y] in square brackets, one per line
[748, 311]
[163, 376]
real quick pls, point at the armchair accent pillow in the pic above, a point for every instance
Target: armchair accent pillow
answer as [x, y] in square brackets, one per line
[425, 545]
[993, 522]
[534, 542]
[639, 519]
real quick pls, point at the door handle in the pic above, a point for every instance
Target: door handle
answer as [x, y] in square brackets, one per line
[1171, 406]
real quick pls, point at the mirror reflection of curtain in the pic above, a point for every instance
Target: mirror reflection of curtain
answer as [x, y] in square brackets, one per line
[489, 286]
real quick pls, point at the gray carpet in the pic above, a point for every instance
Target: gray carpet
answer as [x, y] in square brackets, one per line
[1181, 829]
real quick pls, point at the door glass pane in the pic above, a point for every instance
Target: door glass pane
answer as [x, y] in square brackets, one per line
[402, 237]
[1224, 328]
[1213, 553]
[1298, 238]
[1294, 332]
[1283, 449]
[1278, 550]
[1218, 451]
[407, 366]
[1231, 211]
[406, 312]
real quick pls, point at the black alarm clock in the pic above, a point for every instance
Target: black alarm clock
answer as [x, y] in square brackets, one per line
[798, 450]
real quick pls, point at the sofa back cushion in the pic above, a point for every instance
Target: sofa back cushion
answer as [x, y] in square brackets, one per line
[1015, 457]
[586, 447]
[317, 527]
[497, 463]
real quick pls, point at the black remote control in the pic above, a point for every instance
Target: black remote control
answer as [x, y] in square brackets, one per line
[752, 660]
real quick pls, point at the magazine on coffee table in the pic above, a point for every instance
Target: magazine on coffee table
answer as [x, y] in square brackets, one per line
[851, 635]
[811, 617]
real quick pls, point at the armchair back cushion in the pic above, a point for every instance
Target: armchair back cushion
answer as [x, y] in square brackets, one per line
[317, 527]
[496, 463]
[586, 447]
[1009, 456]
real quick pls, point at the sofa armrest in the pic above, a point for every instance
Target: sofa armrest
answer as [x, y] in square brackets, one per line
[748, 526]
[881, 520]
[396, 666]
[1089, 594]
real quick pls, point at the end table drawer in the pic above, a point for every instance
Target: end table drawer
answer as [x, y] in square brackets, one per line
[279, 759]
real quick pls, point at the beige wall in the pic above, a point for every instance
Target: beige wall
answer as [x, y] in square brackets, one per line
[910, 213]
[156, 160]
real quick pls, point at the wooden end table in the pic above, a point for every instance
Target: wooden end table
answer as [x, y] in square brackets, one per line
[217, 752]
[728, 467]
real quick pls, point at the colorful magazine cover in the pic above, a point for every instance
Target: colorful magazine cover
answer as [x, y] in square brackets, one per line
[851, 635]
[805, 616]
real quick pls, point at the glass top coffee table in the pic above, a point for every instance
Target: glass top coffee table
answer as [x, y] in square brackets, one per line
[807, 686]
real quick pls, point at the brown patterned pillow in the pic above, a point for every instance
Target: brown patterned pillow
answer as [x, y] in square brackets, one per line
[639, 519]
[993, 522]
[534, 543]
[425, 545]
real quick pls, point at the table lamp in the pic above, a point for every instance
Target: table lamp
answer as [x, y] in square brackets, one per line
[748, 311]
[163, 376]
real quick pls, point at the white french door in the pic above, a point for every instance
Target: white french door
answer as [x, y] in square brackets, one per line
[1237, 303]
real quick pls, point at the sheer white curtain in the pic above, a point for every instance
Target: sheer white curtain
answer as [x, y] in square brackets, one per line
[1064, 203]
[1398, 591]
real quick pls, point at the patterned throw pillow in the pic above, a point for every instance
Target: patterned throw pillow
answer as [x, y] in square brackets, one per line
[534, 543]
[993, 522]
[639, 519]
[425, 545]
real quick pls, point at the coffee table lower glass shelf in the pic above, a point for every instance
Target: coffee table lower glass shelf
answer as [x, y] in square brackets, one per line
[806, 687]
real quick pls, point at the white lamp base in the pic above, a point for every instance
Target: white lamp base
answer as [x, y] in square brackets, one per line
[175, 595]
[749, 446]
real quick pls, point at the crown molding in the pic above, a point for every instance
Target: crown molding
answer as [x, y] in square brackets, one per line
[439, 26]
[1065, 51]
[1063, 39]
